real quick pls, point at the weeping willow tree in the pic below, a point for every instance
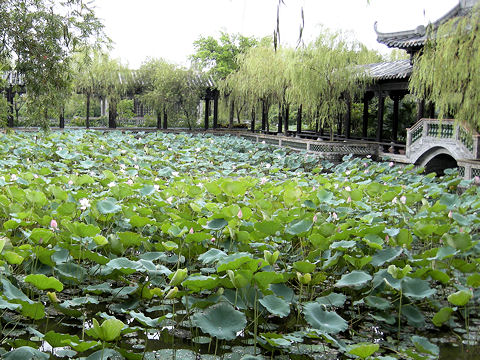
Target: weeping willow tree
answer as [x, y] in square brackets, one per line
[326, 76]
[447, 71]
[263, 76]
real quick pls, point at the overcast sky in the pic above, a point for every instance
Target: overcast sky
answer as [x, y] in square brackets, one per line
[167, 28]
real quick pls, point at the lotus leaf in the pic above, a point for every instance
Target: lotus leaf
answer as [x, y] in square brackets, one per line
[275, 305]
[327, 321]
[221, 321]
[355, 279]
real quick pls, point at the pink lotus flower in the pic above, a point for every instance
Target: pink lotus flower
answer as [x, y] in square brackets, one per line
[347, 188]
[334, 216]
[129, 182]
[391, 164]
[450, 215]
[315, 218]
[212, 239]
[191, 231]
[240, 214]
[53, 224]
[349, 200]
[403, 199]
[70, 182]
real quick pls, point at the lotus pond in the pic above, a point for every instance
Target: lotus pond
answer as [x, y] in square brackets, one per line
[159, 246]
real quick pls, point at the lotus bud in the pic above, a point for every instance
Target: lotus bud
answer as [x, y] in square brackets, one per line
[172, 293]
[231, 276]
[53, 297]
[304, 279]
[240, 214]
[220, 291]
[178, 277]
[271, 258]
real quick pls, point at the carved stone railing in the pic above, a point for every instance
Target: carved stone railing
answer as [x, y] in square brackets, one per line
[455, 137]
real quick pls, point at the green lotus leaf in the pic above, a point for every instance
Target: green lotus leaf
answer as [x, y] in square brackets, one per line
[221, 321]
[145, 320]
[233, 261]
[355, 279]
[460, 298]
[41, 235]
[34, 310]
[43, 282]
[304, 266]
[211, 256]
[416, 288]
[108, 206]
[264, 278]
[442, 316]
[11, 292]
[275, 305]
[105, 354]
[297, 227]
[216, 224]
[363, 350]
[377, 302]
[199, 282]
[12, 257]
[327, 321]
[268, 227]
[414, 316]
[124, 265]
[71, 271]
[108, 331]
[332, 299]
[423, 345]
[385, 256]
[474, 280]
[7, 305]
[25, 353]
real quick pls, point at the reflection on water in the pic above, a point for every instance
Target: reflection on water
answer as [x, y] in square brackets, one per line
[450, 352]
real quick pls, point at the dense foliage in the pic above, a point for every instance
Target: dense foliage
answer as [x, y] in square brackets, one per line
[446, 71]
[127, 244]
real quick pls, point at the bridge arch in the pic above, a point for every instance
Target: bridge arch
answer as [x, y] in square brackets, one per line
[436, 159]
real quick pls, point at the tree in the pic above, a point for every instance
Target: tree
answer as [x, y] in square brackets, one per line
[446, 72]
[39, 36]
[262, 76]
[218, 58]
[158, 82]
[326, 76]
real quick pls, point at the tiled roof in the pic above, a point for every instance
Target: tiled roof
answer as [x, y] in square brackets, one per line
[394, 70]
[416, 38]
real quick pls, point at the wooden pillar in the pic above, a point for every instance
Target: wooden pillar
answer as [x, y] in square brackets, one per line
[112, 114]
[62, 118]
[280, 123]
[348, 118]
[420, 109]
[380, 112]
[299, 119]
[366, 99]
[396, 101]
[215, 109]
[207, 111]
[286, 117]
[165, 119]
